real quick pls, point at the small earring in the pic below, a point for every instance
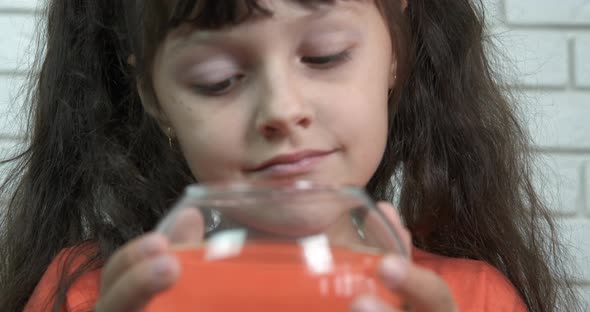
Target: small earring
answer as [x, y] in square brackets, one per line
[170, 136]
[390, 91]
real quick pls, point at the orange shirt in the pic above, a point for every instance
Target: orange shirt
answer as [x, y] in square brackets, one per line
[475, 285]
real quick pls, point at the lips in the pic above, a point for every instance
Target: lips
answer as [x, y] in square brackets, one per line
[293, 163]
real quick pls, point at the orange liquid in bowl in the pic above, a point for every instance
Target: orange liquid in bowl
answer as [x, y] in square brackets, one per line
[271, 277]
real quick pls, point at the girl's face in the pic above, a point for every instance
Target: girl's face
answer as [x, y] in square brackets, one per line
[299, 94]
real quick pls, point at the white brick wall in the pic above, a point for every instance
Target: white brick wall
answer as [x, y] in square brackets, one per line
[17, 20]
[14, 53]
[10, 6]
[549, 44]
[547, 12]
[540, 55]
[10, 106]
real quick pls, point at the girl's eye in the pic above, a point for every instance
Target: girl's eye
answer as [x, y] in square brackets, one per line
[218, 88]
[326, 61]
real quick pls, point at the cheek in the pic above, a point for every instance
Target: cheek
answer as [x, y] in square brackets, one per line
[211, 140]
[359, 124]
[208, 134]
[363, 107]
[209, 152]
[367, 125]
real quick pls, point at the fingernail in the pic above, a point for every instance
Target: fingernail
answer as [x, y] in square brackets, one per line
[162, 266]
[151, 245]
[394, 270]
[366, 304]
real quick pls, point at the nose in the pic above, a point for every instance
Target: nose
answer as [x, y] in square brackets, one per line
[282, 109]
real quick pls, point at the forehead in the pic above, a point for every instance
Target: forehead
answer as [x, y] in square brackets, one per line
[163, 20]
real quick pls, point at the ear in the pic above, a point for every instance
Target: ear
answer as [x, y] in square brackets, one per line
[404, 4]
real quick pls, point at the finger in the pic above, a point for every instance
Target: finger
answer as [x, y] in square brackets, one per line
[370, 304]
[188, 227]
[422, 289]
[138, 285]
[137, 250]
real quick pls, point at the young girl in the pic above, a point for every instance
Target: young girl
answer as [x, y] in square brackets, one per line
[134, 100]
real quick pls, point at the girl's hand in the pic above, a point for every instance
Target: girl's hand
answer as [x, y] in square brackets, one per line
[145, 266]
[421, 289]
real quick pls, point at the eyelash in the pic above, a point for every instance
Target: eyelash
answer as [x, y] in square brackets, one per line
[218, 88]
[330, 60]
[317, 62]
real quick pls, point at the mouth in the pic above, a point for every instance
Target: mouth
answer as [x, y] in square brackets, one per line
[291, 164]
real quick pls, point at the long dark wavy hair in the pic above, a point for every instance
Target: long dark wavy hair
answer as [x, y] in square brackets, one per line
[98, 168]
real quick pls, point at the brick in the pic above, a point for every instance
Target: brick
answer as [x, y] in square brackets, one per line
[11, 113]
[582, 61]
[16, 52]
[548, 12]
[540, 58]
[559, 179]
[575, 235]
[558, 119]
